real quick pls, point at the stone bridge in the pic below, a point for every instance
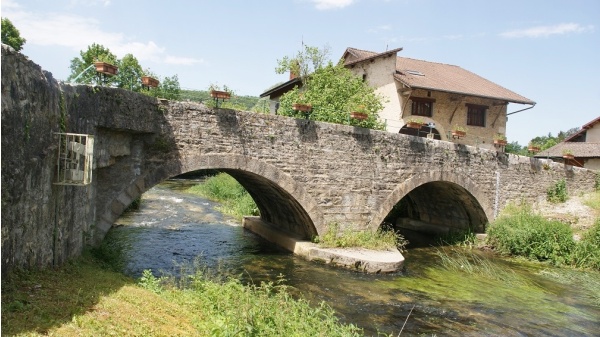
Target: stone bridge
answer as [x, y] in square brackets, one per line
[302, 174]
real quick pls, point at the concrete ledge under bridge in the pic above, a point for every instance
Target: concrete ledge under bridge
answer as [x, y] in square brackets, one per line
[360, 259]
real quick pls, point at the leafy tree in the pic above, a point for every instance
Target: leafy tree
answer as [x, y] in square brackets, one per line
[168, 88]
[306, 61]
[11, 35]
[334, 91]
[95, 52]
[130, 73]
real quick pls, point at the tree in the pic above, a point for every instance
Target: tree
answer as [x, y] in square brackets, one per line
[130, 73]
[306, 61]
[334, 91]
[168, 88]
[95, 52]
[11, 35]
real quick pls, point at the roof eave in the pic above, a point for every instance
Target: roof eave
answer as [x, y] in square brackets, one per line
[289, 83]
[386, 53]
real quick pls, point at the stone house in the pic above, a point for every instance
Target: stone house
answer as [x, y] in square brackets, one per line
[583, 145]
[440, 95]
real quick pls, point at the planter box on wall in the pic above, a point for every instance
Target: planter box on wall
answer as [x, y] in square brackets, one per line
[358, 115]
[106, 68]
[150, 81]
[302, 107]
[220, 94]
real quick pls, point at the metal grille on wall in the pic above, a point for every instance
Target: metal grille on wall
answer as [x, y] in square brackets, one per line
[75, 159]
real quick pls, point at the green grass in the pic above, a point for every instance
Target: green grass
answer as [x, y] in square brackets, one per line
[521, 232]
[378, 240]
[84, 298]
[223, 188]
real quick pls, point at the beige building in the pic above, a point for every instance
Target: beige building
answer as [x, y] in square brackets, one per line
[583, 145]
[444, 97]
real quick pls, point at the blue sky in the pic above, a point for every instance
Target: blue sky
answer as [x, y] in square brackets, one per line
[547, 50]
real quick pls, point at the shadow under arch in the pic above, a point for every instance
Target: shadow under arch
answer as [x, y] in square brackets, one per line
[282, 201]
[441, 198]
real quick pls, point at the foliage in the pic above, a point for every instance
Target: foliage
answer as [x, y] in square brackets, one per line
[128, 77]
[499, 136]
[11, 35]
[457, 127]
[558, 192]
[306, 61]
[474, 264]
[245, 103]
[524, 233]
[329, 90]
[464, 238]
[130, 73]
[95, 52]
[168, 88]
[99, 302]
[382, 239]
[223, 188]
[544, 142]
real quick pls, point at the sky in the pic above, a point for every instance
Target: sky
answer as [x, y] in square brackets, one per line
[545, 50]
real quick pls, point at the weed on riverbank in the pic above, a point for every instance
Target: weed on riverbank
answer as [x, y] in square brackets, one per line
[84, 298]
[381, 239]
[232, 196]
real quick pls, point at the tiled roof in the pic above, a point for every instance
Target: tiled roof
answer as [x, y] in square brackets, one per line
[579, 149]
[419, 74]
[584, 129]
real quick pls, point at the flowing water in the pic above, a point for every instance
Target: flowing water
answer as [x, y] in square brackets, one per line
[502, 298]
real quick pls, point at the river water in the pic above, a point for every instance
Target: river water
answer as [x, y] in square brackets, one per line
[504, 298]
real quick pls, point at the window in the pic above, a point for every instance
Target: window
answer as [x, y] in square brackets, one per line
[476, 114]
[422, 106]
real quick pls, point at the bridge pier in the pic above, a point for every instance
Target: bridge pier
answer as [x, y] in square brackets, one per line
[360, 259]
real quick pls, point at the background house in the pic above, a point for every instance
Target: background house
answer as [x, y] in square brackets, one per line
[584, 145]
[443, 96]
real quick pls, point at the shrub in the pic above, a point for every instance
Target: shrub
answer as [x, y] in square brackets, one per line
[382, 239]
[558, 192]
[587, 252]
[234, 199]
[524, 233]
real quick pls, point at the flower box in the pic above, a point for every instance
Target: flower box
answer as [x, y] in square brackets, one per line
[106, 68]
[414, 125]
[150, 81]
[358, 115]
[458, 133]
[220, 94]
[501, 142]
[533, 149]
[568, 156]
[301, 107]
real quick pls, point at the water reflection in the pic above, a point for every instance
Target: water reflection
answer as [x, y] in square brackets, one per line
[173, 228]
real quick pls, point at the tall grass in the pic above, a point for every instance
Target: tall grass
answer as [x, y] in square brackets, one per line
[381, 239]
[223, 188]
[521, 232]
[83, 298]
[473, 264]
[235, 309]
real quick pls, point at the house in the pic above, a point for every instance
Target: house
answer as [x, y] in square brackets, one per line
[443, 96]
[583, 145]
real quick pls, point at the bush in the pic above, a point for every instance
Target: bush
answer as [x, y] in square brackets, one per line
[524, 233]
[520, 232]
[381, 239]
[234, 199]
[558, 192]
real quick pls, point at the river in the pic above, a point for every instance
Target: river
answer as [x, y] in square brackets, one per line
[501, 298]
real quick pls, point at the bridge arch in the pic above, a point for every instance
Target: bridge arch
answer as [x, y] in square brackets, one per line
[462, 204]
[282, 201]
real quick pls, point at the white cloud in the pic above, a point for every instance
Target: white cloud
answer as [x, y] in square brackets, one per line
[545, 31]
[77, 33]
[323, 5]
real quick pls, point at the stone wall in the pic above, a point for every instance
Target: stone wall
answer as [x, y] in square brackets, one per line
[303, 174]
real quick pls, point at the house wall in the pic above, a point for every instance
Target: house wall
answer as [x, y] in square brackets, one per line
[380, 76]
[450, 110]
[592, 135]
[592, 164]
